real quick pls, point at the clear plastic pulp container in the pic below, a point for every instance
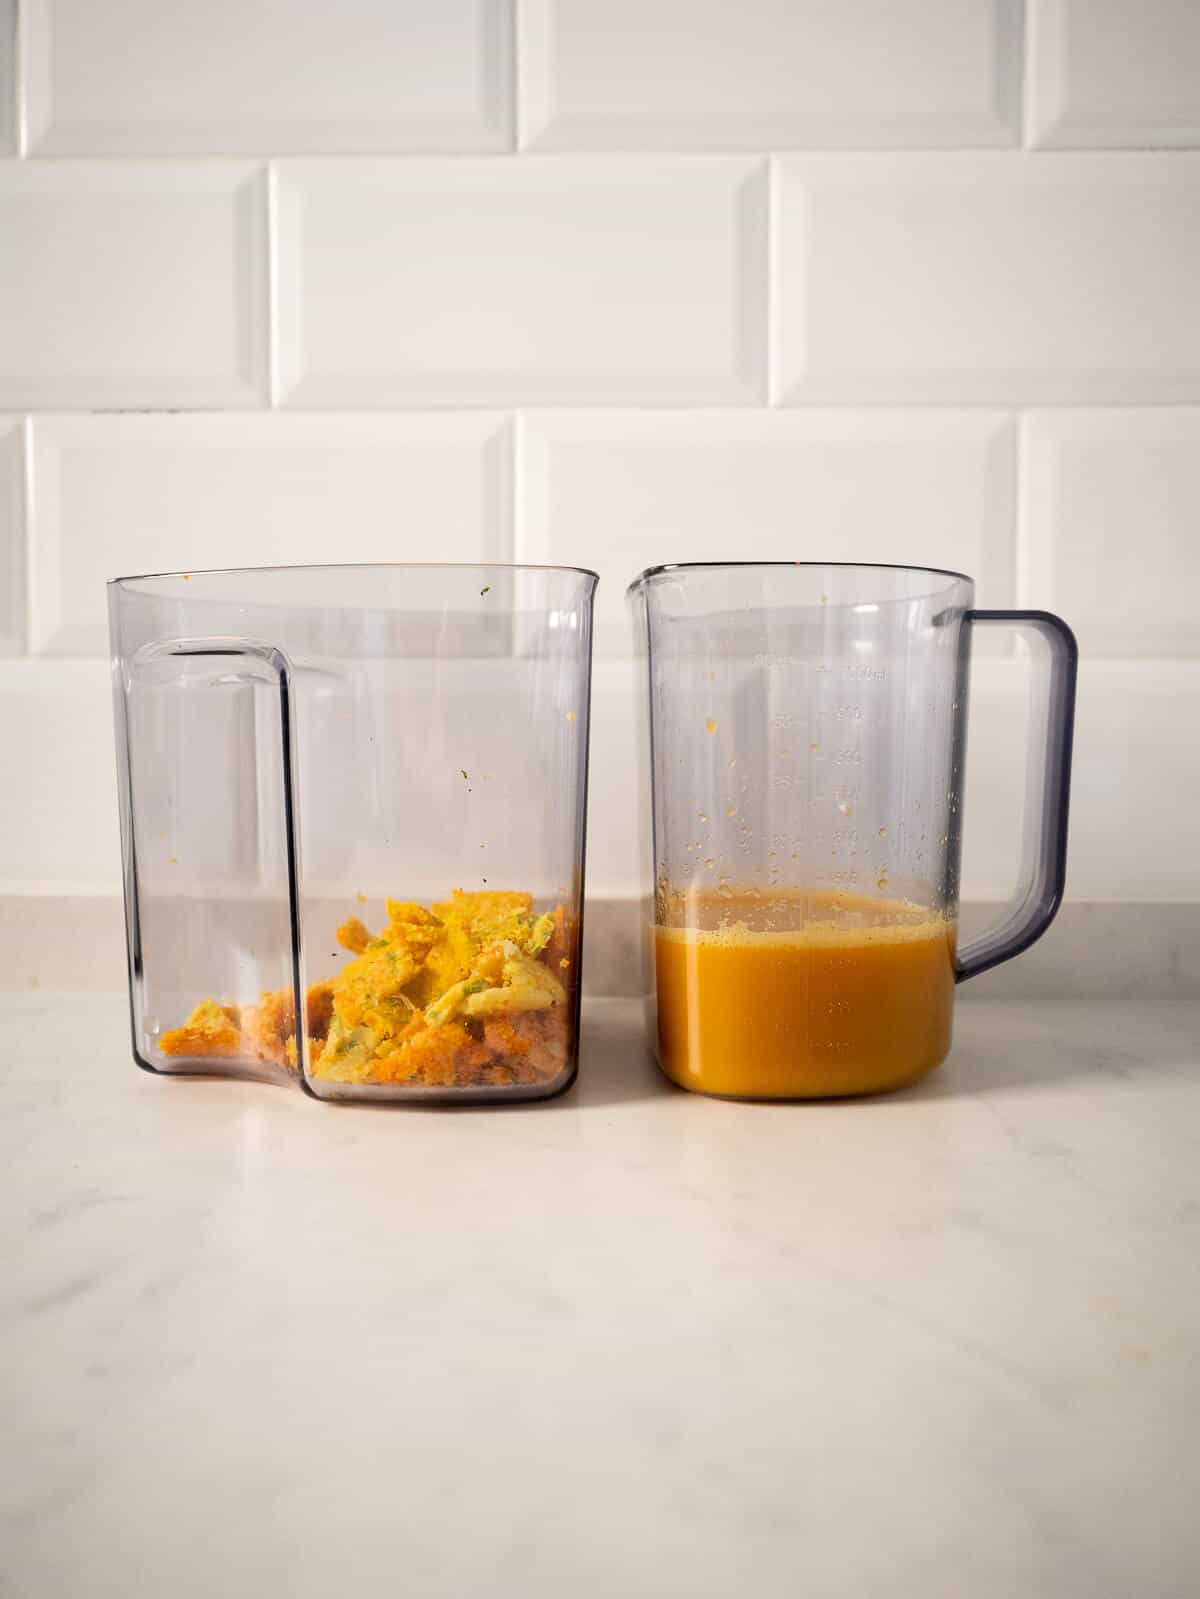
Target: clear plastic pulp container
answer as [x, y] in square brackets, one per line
[356, 795]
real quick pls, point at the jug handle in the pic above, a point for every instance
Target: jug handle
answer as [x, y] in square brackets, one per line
[1044, 867]
[280, 667]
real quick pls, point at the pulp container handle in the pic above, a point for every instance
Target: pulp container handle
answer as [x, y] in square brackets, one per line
[278, 667]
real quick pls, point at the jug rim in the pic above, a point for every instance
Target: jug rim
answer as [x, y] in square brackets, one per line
[357, 566]
[846, 566]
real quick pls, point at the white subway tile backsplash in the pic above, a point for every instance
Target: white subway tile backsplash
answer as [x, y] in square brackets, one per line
[1148, 744]
[978, 357]
[58, 803]
[622, 491]
[1137, 770]
[1110, 526]
[614, 803]
[1109, 73]
[997, 278]
[134, 285]
[12, 536]
[118, 495]
[524, 280]
[8, 77]
[172, 77]
[769, 73]
[1135, 777]
[994, 783]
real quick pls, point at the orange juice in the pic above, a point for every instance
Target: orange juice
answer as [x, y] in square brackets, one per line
[799, 995]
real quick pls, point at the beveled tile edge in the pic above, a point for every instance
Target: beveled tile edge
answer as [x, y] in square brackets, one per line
[51, 636]
[10, 129]
[1041, 431]
[44, 544]
[252, 275]
[246, 384]
[37, 133]
[294, 387]
[14, 534]
[498, 491]
[795, 173]
[1050, 124]
[540, 128]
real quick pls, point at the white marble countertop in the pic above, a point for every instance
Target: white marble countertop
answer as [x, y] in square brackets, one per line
[628, 1342]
